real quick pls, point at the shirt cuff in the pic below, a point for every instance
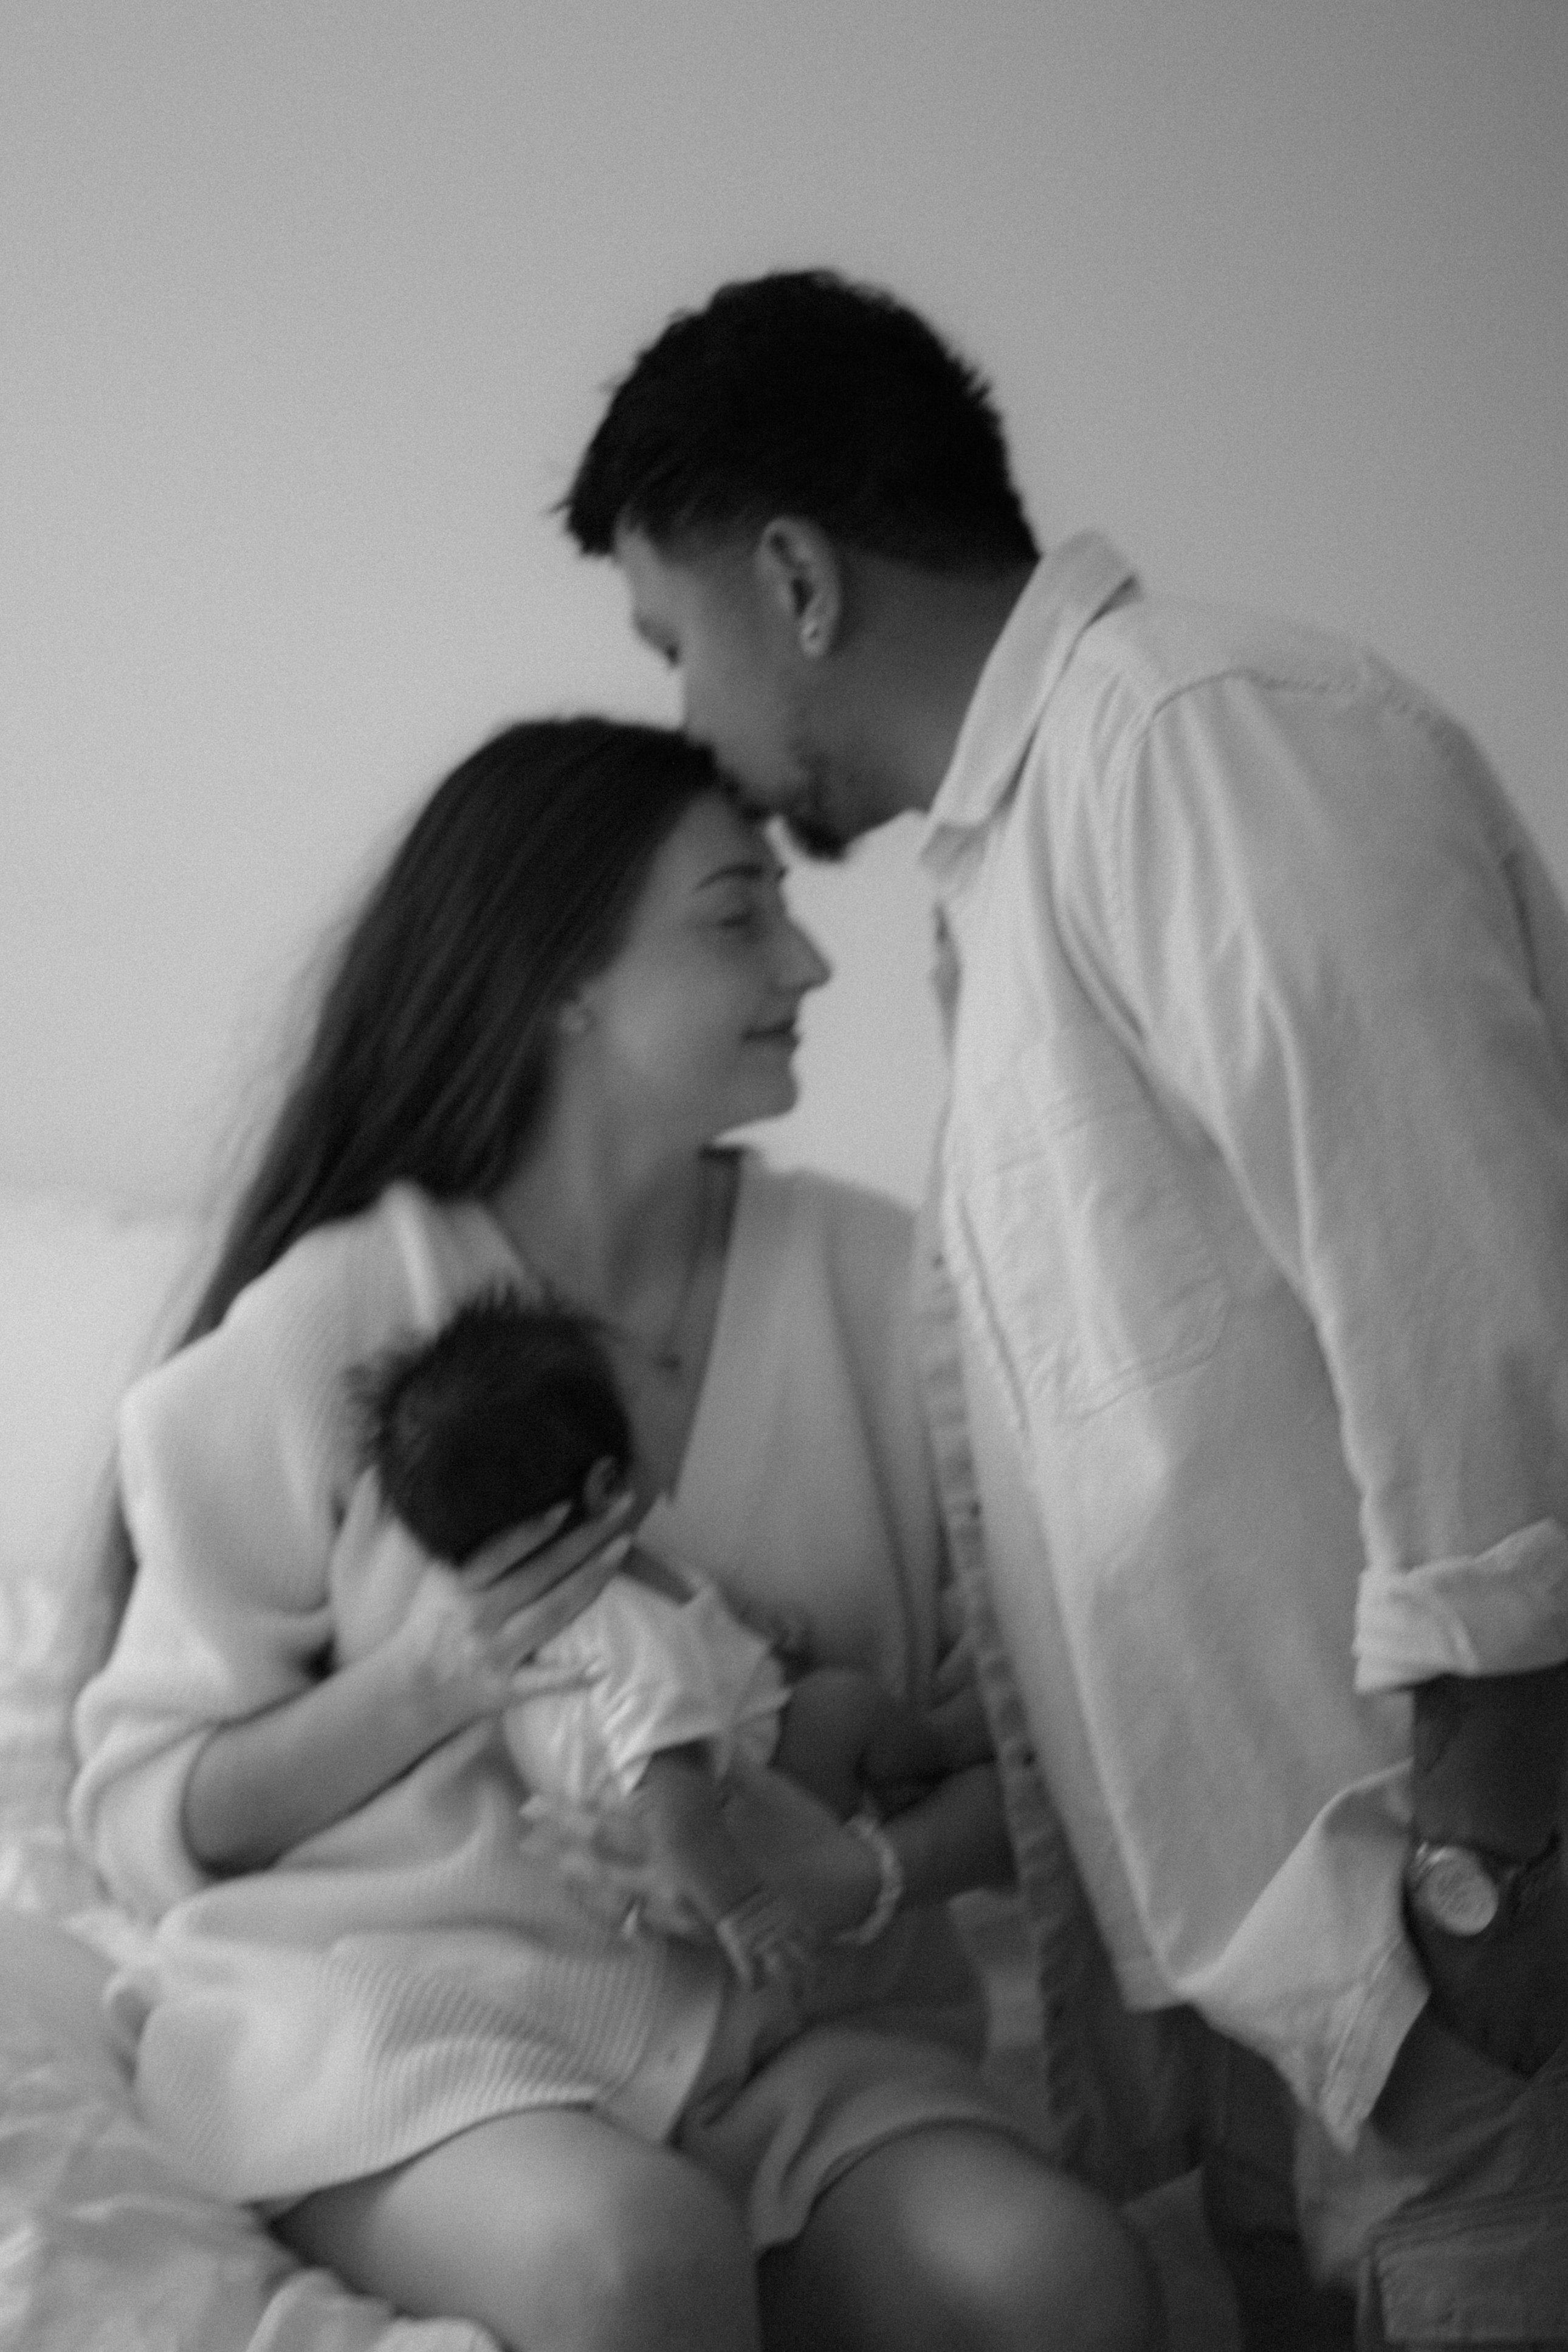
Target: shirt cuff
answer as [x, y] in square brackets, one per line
[1501, 1611]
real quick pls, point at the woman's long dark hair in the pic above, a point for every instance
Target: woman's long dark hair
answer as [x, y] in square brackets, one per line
[431, 1051]
[429, 1057]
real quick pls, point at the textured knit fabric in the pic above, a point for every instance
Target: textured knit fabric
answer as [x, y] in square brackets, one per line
[1253, 1195]
[411, 1970]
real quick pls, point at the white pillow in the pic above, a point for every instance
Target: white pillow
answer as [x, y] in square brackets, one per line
[89, 1296]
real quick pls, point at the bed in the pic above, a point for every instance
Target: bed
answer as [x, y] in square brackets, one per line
[104, 2245]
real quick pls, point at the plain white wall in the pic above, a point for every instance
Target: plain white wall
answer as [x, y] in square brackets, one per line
[303, 314]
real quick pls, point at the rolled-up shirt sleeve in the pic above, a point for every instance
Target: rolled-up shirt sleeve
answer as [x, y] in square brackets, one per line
[1321, 919]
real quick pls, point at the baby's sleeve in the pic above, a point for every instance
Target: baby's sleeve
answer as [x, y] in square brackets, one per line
[657, 1674]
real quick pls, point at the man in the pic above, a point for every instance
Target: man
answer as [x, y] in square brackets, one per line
[1253, 1200]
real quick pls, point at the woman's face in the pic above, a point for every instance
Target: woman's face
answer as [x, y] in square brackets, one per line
[692, 1028]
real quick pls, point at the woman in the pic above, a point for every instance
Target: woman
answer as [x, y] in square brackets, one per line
[374, 2009]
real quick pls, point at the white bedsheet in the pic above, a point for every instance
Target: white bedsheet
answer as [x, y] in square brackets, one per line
[104, 2246]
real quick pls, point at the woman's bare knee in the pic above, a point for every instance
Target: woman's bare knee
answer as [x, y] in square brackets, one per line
[961, 2240]
[676, 2272]
[557, 2232]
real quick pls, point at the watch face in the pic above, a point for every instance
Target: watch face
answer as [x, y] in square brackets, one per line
[1455, 1892]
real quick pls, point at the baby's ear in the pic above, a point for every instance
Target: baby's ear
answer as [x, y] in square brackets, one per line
[602, 1485]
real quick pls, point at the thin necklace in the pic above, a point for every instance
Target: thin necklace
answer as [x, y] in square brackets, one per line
[664, 1355]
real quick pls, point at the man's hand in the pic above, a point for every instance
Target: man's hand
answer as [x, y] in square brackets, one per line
[1505, 1993]
[1488, 1755]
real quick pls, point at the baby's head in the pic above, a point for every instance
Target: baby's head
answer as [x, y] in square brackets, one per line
[508, 1410]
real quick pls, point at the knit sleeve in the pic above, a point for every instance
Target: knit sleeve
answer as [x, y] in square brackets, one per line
[236, 1462]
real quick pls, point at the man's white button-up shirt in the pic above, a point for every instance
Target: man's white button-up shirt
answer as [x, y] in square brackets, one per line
[1253, 1193]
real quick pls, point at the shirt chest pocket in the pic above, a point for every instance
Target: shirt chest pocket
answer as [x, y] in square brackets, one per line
[1102, 1277]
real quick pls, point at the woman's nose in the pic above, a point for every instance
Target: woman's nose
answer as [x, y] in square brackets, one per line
[805, 966]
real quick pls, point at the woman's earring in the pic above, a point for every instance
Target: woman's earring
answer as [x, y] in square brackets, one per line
[813, 636]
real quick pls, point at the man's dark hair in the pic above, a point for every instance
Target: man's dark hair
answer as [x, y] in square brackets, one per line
[803, 393]
[502, 1414]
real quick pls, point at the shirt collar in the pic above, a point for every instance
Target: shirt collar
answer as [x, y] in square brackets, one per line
[1069, 588]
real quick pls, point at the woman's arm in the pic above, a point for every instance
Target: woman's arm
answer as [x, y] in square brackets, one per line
[274, 1779]
[950, 1841]
[954, 1839]
[263, 1784]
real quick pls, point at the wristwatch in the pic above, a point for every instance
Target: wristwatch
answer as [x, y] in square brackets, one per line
[1467, 1890]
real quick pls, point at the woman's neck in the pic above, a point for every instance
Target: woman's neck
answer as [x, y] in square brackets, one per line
[640, 1244]
[615, 1229]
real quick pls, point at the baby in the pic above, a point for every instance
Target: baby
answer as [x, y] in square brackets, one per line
[511, 1408]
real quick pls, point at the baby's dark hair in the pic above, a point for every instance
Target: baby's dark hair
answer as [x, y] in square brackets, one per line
[504, 1413]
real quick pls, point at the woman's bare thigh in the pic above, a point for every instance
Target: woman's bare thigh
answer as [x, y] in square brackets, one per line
[956, 2239]
[554, 2228]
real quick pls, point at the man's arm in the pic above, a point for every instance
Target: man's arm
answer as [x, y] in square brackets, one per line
[1490, 1752]
[1488, 1759]
[1318, 936]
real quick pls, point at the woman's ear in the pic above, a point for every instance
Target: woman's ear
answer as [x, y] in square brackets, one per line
[801, 577]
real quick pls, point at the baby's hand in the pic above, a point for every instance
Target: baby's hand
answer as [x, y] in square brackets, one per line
[766, 1943]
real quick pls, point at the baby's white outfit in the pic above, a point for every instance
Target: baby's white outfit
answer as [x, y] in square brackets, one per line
[649, 1673]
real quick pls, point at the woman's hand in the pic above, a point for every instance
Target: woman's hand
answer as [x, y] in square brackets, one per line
[606, 1854]
[952, 1838]
[957, 1710]
[470, 1631]
[824, 1873]
[261, 1786]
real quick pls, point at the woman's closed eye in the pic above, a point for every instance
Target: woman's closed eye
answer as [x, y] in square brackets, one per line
[748, 905]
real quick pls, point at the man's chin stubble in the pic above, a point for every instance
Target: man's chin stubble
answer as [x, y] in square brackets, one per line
[807, 820]
[814, 839]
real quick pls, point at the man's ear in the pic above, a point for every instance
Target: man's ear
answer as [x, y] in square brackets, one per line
[798, 569]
